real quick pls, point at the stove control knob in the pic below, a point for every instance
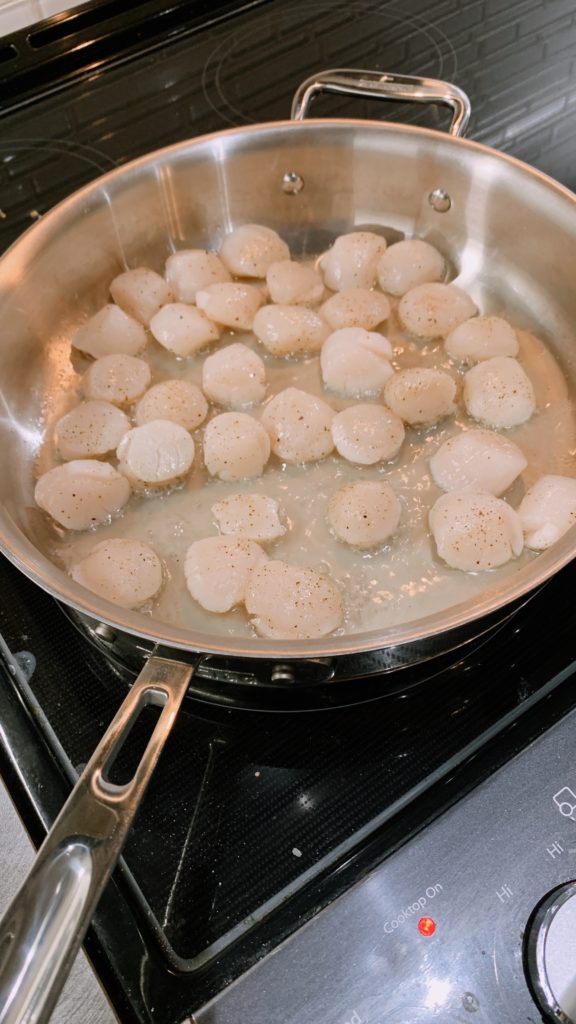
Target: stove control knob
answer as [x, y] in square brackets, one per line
[550, 954]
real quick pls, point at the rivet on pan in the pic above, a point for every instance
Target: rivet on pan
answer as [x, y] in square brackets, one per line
[105, 632]
[440, 200]
[292, 183]
[282, 674]
[470, 1002]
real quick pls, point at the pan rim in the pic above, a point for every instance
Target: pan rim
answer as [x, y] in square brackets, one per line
[41, 571]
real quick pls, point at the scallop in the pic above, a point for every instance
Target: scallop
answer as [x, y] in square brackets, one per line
[498, 393]
[156, 454]
[364, 514]
[421, 396]
[236, 446]
[366, 434]
[110, 332]
[217, 568]
[82, 493]
[407, 264]
[231, 304]
[252, 516]
[235, 376]
[299, 425]
[479, 459]
[290, 283]
[474, 531]
[250, 249]
[356, 307]
[287, 330]
[141, 293]
[433, 310]
[355, 362]
[126, 572]
[289, 602]
[182, 329]
[91, 430]
[119, 379]
[482, 337]
[179, 401]
[352, 260]
[548, 510]
[190, 270]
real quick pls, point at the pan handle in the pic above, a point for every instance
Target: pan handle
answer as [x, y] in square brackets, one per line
[43, 928]
[384, 86]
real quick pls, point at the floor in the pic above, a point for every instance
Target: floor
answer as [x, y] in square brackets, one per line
[82, 1001]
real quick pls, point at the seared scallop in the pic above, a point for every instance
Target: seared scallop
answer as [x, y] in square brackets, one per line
[235, 376]
[119, 379]
[289, 602]
[356, 307]
[250, 250]
[433, 310]
[548, 510]
[364, 514]
[190, 270]
[216, 570]
[498, 392]
[91, 430]
[182, 329]
[82, 493]
[366, 434]
[126, 572]
[479, 459]
[421, 396]
[352, 260]
[473, 530]
[140, 293]
[299, 425]
[355, 362]
[110, 332]
[236, 446]
[179, 401]
[290, 283]
[156, 454]
[482, 337]
[231, 304]
[253, 516]
[287, 330]
[407, 264]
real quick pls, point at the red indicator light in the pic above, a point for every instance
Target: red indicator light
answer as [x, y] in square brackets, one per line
[426, 926]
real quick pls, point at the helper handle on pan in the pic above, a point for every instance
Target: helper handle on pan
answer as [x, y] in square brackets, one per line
[384, 86]
[44, 926]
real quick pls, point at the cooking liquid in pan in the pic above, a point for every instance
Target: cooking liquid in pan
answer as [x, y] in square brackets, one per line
[401, 582]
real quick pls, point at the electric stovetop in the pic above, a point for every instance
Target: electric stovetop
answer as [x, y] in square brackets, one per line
[258, 819]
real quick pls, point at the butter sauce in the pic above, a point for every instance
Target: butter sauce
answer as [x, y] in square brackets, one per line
[399, 583]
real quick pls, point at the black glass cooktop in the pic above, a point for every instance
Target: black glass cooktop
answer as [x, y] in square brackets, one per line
[515, 61]
[254, 820]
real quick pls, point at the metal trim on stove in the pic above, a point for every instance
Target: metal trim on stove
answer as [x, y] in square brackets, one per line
[55, 51]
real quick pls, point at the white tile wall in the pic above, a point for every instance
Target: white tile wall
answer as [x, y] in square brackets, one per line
[15, 14]
[50, 7]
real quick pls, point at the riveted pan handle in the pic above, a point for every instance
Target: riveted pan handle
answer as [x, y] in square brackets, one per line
[43, 928]
[384, 86]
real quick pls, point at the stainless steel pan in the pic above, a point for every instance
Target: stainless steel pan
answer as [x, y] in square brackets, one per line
[502, 222]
